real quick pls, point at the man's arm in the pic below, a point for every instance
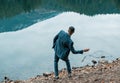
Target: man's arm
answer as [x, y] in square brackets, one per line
[54, 40]
[73, 50]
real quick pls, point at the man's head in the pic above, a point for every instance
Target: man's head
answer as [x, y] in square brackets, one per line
[71, 30]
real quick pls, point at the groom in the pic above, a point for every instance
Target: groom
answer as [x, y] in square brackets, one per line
[62, 45]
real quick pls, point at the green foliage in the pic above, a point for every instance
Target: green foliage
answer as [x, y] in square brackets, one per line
[10, 8]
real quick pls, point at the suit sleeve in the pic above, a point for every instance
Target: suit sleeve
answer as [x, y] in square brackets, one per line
[73, 50]
[54, 40]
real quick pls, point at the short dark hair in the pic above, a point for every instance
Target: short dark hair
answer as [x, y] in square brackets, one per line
[72, 29]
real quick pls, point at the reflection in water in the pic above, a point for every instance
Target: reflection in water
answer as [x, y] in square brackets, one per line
[91, 7]
[24, 20]
[31, 52]
[9, 8]
[18, 14]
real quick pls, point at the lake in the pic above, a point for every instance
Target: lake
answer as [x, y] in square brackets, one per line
[27, 29]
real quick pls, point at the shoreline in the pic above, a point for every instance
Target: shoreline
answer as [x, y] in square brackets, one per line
[103, 72]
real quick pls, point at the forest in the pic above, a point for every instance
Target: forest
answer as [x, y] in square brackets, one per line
[9, 8]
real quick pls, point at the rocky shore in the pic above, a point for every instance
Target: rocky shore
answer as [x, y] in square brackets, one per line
[103, 72]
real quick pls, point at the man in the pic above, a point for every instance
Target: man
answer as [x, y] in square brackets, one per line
[62, 45]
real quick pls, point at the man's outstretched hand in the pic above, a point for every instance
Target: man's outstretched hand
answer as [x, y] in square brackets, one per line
[86, 50]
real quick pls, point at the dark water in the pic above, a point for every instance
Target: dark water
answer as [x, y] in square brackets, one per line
[30, 25]
[18, 14]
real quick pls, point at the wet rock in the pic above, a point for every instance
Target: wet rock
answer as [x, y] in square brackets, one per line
[102, 56]
[94, 62]
[117, 58]
[75, 67]
[38, 76]
[7, 80]
[46, 74]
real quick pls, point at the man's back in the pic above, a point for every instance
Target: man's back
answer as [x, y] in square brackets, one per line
[62, 45]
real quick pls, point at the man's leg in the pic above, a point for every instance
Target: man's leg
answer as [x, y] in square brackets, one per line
[56, 59]
[68, 67]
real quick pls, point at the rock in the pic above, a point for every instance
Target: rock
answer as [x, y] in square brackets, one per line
[117, 58]
[94, 62]
[75, 67]
[46, 74]
[17, 81]
[103, 61]
[102, 56]
[38, 76]
[7, 80]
